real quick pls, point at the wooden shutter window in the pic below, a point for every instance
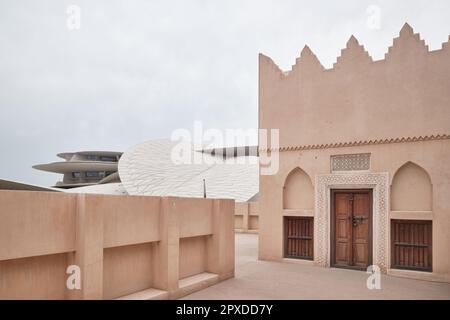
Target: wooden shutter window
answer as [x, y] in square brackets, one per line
[298, 237]
[411, 246]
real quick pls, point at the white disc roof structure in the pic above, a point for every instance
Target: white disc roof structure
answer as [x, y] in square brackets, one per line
[149, 169]
[108, 188]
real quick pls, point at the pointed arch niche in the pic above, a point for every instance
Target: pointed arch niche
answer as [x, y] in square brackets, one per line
[298, 192]
[411, 189]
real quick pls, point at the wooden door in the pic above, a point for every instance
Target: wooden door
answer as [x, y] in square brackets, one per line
[351, 228]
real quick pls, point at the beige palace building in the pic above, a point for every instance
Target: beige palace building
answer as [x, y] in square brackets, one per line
[364, 160]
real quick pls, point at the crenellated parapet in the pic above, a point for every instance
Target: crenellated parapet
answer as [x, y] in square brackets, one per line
[406, 44]
[358, 99]
[307, 62]
[353, 54]
[268, 66]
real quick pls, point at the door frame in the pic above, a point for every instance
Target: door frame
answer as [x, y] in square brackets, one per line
[333, 228]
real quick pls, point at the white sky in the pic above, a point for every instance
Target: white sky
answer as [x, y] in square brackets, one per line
[137, 70]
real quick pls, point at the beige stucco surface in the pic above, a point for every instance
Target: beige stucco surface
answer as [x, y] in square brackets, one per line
[246, 217]
[126, 246]
[396, 109]
[256, 279]
[404, 95]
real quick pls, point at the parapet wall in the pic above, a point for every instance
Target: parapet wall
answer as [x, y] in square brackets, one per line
[129, 247]
[403, 96]
[246, 217]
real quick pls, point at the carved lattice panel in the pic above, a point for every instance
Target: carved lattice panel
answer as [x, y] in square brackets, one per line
[350, 162]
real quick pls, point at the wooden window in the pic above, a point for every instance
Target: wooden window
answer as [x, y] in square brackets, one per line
[298, 237]
[411, 244]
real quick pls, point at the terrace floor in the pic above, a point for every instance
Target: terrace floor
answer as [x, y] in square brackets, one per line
[274, 280]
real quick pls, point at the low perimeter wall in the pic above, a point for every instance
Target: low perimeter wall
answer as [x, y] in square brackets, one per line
[127, 247]
[246, 217]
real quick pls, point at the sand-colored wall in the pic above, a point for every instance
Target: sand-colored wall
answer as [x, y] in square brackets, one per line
[411, 189]
[50, 232]
[118, 281]
[298, 191]
[396, 109]
[192, 256]
[404, 95]
[430, 156]
[246, 215]
[41, 277]
[132, 246]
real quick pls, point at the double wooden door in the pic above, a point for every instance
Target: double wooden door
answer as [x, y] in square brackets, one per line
[351, 228]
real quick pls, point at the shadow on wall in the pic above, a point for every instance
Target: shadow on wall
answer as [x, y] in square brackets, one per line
[129, 247]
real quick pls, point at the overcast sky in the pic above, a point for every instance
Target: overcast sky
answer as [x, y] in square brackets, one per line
[137, 70]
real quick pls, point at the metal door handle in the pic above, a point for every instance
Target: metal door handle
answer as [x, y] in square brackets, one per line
[358, 220]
